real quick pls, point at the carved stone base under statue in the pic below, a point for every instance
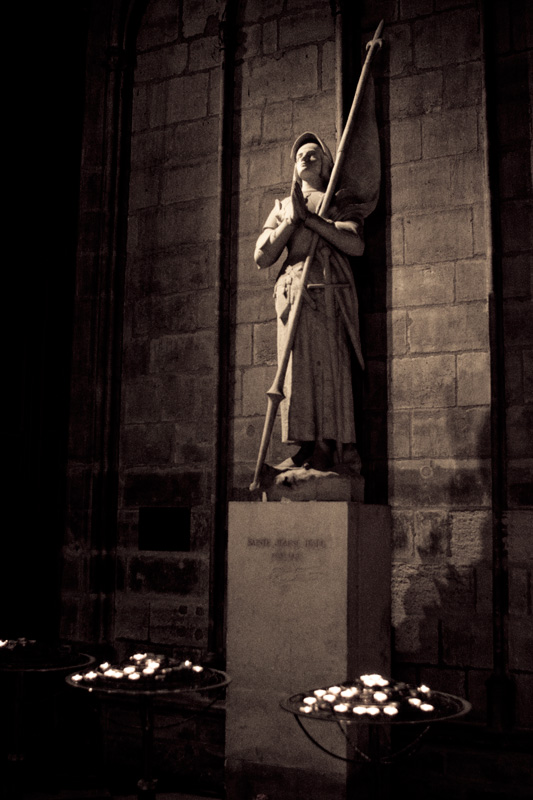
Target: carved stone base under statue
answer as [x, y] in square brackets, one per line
[310, 484]
[308, 605]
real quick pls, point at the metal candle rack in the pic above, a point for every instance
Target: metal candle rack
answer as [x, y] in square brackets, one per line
[211, 680]
[353, 703]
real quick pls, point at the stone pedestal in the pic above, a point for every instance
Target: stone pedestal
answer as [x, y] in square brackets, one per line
[308, 606]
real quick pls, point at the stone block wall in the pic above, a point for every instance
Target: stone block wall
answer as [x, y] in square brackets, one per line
[512, 131]
[169, 374]
[443, 274]
[427, 294]
[426, 290]
[439, 391]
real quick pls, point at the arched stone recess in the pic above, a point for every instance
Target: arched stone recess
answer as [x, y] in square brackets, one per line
[88, 563]
[143, 461]
[168, 422]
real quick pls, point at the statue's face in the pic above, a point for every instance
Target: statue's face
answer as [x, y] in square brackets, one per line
[309, 161]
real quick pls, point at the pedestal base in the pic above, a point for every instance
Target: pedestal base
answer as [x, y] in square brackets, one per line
[308, 605]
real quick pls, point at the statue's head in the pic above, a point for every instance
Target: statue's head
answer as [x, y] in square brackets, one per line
[309, 142]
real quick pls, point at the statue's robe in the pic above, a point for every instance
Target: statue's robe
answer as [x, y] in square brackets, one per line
[318, 401]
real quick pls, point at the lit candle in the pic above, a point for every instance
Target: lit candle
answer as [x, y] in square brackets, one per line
[380, 697]
[138, 656]
[341, 708]
[319, 692]
[3, 642]
[113, 673]
[129, 670]
[374, 680]
[148, 671]
[373, 710]
[359, 710]
[133, 676]
[334, 689]
[427, 707]
[349, 692]
[306, 709]
[415, 701]
[329, 698]
[76, 678]
[197, 669]
[187, 663]
[424, 689]
[91, 675]
[309, 700]
[390, 710]
[105, 666]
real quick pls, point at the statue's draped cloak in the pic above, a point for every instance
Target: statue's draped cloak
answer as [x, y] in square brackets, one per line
[318, 393]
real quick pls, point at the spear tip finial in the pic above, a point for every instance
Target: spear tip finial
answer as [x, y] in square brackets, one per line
[376, 39]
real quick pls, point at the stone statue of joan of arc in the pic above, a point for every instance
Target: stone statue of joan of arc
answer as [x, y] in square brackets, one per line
[317, 412]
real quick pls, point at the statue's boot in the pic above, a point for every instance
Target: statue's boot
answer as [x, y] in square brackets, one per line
[323, 457]
[300, 460]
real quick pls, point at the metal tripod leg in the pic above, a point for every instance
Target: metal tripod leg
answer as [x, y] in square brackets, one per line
[146, 785]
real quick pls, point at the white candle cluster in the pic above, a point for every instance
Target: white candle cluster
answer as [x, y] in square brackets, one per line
[374, 680]
[17, 644]
[141, 667]
[369, 695]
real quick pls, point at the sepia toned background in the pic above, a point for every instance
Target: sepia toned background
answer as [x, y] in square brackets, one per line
[149, 336]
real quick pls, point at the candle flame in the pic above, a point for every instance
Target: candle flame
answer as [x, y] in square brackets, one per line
[349, 692]
[374, 680]
[341, 708]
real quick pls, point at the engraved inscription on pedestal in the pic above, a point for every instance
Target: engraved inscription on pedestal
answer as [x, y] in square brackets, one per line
[289, 558]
